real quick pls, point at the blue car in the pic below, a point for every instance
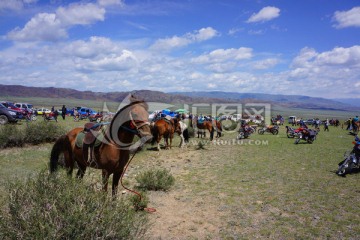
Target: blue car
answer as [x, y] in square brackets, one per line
[86, 111]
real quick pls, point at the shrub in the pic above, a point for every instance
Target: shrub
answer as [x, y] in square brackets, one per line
[191, 132]
[40, 132]
[138, 203]
[34, 133]
[11, 136]
[229, 125]
[157, 179]
[57, 207]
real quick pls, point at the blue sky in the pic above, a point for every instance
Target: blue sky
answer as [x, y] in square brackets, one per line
[302, 47]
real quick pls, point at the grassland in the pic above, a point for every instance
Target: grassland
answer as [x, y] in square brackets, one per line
[265, 187]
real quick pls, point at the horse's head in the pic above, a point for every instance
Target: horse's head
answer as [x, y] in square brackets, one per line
[131, 119]
[138, 120]
[177, 126]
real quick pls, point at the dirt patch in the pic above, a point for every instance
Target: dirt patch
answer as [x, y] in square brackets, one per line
[182, 213]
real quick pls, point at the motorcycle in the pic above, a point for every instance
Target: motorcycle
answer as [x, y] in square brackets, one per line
[271, 129]
[351, 161]
[305, 134]
[50, 116]
[245, 131]
[29, 116]
[291, 132]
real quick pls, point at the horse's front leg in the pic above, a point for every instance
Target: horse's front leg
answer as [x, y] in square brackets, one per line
[171, 137]
[105, 179]
[167, 143]
[182, 140]
[69, 162]
[158, 145]
[115, 183]
[81, 172]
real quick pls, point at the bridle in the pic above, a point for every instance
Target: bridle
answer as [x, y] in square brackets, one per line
[135, 125]
[125, 121]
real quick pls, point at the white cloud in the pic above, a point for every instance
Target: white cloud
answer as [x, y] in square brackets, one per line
[90, 49]
[123, 61]
[337, 57]
[15, 5]
[80, 14]
[349, 18]
[44, 26]
[106, 3]
[331, 73]
[266, 63]
[340, 56]
[305, 56]
[53, 26]
[222, 55]
[167, 44]
[264, 15]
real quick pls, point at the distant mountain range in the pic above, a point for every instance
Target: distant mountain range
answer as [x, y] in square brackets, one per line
[290, 101]
[350, 101]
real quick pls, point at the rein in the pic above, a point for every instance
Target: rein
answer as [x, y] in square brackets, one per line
[149, 210]
[134, 129]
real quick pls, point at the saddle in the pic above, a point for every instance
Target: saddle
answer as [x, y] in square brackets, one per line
[169, 120]
[91, 133]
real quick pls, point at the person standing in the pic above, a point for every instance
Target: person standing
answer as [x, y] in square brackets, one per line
[326, 125]
[63, 112]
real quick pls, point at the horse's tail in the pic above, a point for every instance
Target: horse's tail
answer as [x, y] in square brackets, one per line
[62, 144]
[155, 133]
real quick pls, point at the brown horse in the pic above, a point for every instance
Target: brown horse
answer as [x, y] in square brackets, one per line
[201, 127]
[218, 128]
[166, 128]
[112, 154]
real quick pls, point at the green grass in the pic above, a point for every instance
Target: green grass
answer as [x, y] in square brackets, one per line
[277, 190]
[284, 190]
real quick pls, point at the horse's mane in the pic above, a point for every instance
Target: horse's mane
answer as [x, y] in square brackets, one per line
[133, 101]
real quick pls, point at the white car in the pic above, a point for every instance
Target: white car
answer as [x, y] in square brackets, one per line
[41, 111]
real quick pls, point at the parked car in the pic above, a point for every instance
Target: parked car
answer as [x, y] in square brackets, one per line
[8, 115]
[309, 121]
[11, 106]
[25, 106]
[291, 119]
[86, 111]
[41, 111]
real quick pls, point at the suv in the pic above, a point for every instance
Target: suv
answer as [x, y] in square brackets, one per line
[86, 111]
[25, 106]
[7, 115]
[11, 106]
[291, 119]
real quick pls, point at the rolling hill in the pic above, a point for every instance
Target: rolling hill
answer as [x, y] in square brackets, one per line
[287, 101]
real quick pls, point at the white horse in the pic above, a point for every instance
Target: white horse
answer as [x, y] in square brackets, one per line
[184, 134]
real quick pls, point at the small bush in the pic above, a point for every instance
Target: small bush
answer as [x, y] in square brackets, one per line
[191, 132]
[138, 203]
[200, 146]
[33, 133]
[157, 179]
[11, 136]
[40, 132]
[57, 207]
[229, 125]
